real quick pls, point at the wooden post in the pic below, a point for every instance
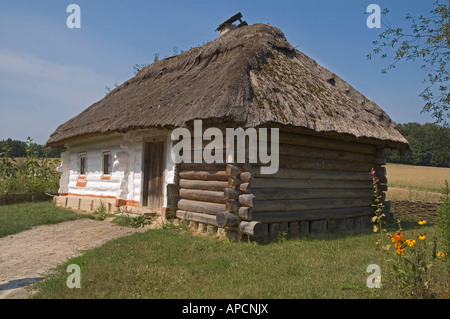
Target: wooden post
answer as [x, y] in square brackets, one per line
[244, 187]
[245, 213]
[274, 230]
[226, 219]
[256, 230]
[294, 228]
[246, 200]
[201, 228]
[234, 183]
[231, 206]
[211, 229]
[345, 223]
[304, 227]
[233, 170]
[284, 228]
[318, 227]
[245, 176]
[231, 194]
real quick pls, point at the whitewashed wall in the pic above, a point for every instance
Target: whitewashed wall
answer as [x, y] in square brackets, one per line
[127, 176]
[95, 186]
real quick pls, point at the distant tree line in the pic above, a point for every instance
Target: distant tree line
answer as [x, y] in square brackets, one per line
[16, 148]
[429, 143]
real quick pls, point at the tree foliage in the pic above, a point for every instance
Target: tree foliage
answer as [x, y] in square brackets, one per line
[427, 40]
[429, 143]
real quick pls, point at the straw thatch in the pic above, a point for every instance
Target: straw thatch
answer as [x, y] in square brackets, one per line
[250, 77]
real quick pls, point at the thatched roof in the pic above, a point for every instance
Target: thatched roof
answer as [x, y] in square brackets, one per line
[250, 77]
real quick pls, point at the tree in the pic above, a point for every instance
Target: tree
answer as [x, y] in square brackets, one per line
[16, 148]
[426, 40]
[429, 143]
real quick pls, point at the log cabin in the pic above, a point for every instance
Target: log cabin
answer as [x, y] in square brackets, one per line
[118, 150]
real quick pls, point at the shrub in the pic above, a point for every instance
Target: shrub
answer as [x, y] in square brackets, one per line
[135, 222]
[33, 175]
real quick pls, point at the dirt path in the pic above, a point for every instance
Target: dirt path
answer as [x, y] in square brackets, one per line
[26, 256]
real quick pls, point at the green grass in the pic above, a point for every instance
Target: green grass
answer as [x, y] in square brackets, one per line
[175, 264]
[19, 217]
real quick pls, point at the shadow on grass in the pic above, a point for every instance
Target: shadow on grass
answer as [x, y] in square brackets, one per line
[19, 283]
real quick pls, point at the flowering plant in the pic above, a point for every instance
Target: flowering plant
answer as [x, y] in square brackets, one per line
[377, 220]
[412, 262]
[415, 262]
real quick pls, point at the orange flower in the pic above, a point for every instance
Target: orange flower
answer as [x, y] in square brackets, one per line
[401, 251]
[422, 237]
[398, 237]
[441, 254]
[410, 242]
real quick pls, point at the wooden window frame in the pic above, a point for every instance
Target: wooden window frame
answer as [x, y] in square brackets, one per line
[108, 175]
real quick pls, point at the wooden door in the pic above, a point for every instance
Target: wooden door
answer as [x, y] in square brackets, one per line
[153, 174]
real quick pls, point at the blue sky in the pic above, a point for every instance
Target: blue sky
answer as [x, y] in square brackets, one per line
[50, 73]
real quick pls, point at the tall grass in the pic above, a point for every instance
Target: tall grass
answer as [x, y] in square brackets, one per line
[443, 219]
[30, 175]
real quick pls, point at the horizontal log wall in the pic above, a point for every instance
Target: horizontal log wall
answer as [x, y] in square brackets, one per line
[318, 179]
[202, 191]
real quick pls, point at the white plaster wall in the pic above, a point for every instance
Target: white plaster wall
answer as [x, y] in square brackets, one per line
[130, 176]
[95, 186]
[169, 171]
[136, 173]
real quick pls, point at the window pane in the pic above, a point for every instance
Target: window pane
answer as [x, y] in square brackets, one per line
[106, 164]
[82, 165]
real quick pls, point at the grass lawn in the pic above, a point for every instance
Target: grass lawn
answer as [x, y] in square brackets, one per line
[176, 264]
[19, 217]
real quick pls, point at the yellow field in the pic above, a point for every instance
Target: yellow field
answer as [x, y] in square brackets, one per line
[407, 182]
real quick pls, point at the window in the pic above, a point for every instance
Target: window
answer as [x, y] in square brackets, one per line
[107, 167]
[82, 162]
